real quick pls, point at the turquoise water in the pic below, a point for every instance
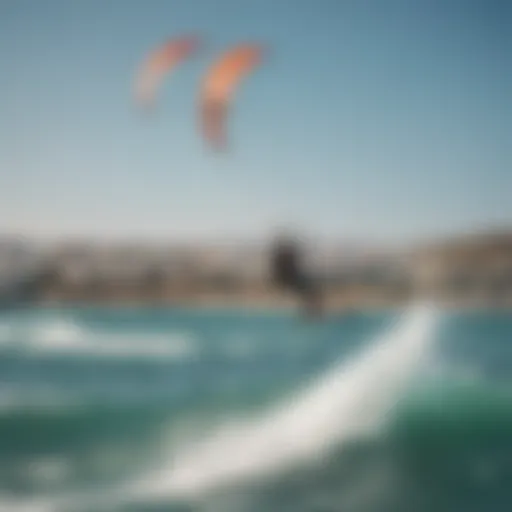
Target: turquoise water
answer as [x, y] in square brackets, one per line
[103, 409]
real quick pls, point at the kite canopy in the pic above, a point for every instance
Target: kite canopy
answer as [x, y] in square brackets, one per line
[219, 87]
[158, 65]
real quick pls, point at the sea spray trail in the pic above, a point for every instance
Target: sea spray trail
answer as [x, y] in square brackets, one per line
[348, 401]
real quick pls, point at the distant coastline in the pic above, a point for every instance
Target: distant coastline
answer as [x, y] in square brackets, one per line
[470, 272]
[208, 303]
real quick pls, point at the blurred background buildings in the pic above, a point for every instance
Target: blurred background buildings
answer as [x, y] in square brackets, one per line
[466, 270]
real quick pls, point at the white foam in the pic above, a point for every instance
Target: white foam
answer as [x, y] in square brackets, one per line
[66, 337]
[26, 505]
[350, 400]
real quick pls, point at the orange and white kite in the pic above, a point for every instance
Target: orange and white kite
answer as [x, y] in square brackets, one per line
[219, 86]
[158, 64]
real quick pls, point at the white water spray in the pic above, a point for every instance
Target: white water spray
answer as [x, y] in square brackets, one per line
[351, 400]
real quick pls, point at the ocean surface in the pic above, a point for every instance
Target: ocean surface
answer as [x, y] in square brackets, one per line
[145, 409]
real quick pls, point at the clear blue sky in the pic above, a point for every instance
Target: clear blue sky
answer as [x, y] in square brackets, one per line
[370, 118]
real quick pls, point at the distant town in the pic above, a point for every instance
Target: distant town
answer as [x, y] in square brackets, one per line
[473, 270]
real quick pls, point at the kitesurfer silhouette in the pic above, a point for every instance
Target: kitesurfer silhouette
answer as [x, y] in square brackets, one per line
[288, 274]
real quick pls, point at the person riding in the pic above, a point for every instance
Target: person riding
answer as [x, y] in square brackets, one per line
[288, 273]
